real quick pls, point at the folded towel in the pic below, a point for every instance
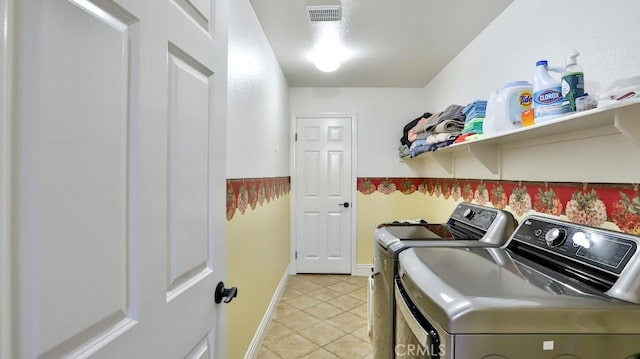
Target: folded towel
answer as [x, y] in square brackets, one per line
[475, 114]
[418, 143]
[478, 104]
[475, 136]
[421, 149]
[475, 109]
[475, 125]
[452, 125]
[403, 151]
[442, 137]
[424, 122]
[443, 144]
[423, 135]
[463, 137]
[452, 112]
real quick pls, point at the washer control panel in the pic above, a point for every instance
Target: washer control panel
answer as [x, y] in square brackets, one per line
[604, 249]
[480, 217]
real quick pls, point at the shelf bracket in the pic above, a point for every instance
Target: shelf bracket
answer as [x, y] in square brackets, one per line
[487, 155]
[626, 121]
[444, 159]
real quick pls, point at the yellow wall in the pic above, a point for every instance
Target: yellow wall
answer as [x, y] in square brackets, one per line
[377, 208]
[438, 209]
[257, 257]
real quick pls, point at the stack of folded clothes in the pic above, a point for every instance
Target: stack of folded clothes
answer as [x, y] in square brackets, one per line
[437, 131]
[408, 136]
[474, 113]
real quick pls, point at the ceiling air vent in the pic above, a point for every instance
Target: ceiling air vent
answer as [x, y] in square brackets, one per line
[324, 13]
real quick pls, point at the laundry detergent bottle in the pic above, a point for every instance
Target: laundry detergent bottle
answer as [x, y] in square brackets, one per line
[547, 93]
[505, 107]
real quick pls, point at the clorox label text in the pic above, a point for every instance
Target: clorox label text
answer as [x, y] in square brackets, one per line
[549, 96]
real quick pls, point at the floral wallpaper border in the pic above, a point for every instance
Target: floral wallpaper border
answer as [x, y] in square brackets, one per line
[586, 203]
[250, 192]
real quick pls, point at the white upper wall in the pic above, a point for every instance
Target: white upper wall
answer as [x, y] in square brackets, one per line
[381, 115]
[258, 101]
[605, 33]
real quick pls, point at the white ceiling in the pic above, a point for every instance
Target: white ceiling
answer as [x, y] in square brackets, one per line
[393, 43]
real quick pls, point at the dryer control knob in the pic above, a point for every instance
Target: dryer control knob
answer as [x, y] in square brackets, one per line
[555, 237]
[468, 213]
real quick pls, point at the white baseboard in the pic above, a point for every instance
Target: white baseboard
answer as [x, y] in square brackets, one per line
[252, 352]
[362, 270]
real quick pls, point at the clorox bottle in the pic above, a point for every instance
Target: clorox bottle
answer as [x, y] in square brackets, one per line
[547, 93]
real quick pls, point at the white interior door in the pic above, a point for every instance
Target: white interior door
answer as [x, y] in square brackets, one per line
[323, 190]
[116, 174]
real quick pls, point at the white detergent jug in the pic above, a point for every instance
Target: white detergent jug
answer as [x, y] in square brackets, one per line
[504, 107]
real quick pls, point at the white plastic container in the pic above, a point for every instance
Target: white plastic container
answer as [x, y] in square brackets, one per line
[547, 93]
[504, 107]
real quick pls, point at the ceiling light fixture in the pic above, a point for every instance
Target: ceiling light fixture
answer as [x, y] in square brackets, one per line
[329, 53]
[327, 62]
[329, 56]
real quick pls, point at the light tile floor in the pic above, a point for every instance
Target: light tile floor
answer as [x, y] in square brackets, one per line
[319, 317]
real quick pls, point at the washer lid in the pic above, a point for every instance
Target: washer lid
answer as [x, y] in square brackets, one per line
[467, 221]
[489, 290]
[416, 231]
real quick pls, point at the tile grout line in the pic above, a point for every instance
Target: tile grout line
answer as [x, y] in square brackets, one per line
[308, 285]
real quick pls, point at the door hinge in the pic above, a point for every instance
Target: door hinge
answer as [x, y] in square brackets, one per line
[296, 255]
[296, 137]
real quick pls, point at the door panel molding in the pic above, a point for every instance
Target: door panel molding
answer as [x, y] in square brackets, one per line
[108, 12]
[199, 13]
[202, 350]
[101, 333]
[188, 185]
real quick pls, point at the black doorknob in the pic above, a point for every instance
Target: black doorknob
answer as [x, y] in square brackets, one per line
[345, 205]
[222, 292]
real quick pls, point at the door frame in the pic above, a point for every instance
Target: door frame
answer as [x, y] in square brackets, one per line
[352, 190]
[7, 33]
